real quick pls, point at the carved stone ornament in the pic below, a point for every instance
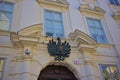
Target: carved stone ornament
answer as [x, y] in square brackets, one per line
[59, 50]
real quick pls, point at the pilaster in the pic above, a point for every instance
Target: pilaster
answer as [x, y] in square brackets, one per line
[89, 66]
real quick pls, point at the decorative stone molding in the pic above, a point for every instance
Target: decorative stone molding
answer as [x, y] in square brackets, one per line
[20, 41]
[86, 10]
[62, 3]
[81, 37]
[29, 35]
[91, 1]
[22, 73]
[86, 44]
[87, 49]
[22, 58]
[34, 31]
[5, 33]
[103, 45]
[116, 16]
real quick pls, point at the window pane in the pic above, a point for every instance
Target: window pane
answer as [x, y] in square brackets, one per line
[101, 37]
[8, 7]
[49, 15]
[57, 16]
[6, 16]
[49, 26]
[98, 24]
[93, 30]
[58, 26]
[90, 22]
[59, 29]
[5, 21]
[5, 6]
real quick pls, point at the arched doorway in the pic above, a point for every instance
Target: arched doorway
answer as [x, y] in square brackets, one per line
[55, 72]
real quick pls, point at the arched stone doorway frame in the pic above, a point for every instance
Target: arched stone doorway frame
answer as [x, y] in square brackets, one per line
[70, 67]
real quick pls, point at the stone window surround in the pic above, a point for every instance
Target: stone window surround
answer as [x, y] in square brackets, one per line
[60, 7]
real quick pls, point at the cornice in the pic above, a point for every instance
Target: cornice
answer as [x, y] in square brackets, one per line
[30, 30]
[31, 35]
[20, 41]
[86, 10]
[22, 73]
[23, 58]
[87, 48]
[81, 37]
[26, 37]
[104, 45]
[62, 3]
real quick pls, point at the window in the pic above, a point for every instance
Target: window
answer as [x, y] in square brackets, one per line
[110, 72]
[53, 24]
[115, 2]
[6, 10]
[1, 67]
[96, 30]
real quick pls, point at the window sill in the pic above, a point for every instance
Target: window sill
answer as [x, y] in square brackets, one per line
[91, 1]
[105, 45]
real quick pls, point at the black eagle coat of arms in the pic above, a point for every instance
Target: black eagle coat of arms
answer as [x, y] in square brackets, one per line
[59, 50]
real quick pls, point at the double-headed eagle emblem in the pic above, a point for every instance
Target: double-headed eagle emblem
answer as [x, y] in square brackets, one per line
[58, 50]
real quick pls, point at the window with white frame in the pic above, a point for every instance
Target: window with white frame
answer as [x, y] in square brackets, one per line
[115, 2]
[96, 30]
[109, 72]
[53, 24]
[6, 10]
[1, 67]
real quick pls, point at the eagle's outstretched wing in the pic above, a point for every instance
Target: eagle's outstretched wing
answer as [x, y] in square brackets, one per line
[65, 49]
[52, 47]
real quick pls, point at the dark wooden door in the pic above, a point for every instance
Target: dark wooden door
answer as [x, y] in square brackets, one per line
[53, 72]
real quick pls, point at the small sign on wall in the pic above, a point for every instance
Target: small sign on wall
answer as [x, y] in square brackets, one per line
[75, 61]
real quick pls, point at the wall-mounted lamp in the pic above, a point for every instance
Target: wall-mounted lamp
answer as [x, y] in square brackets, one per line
[27, 51]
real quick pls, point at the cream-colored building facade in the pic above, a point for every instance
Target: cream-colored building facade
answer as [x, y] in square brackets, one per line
[88, 60]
